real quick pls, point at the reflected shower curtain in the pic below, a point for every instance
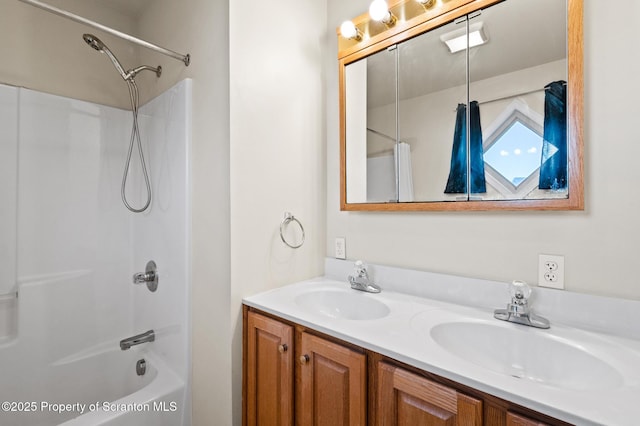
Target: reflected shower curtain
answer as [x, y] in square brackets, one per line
[553, 164]
[404, 173]
[457, 182]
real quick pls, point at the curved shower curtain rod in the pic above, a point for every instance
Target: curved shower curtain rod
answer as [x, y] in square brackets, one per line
[186, 59]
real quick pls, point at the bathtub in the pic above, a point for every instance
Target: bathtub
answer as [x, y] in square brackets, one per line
[97, 387]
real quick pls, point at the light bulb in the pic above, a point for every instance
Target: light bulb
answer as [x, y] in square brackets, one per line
[379, 11]
[349, 31]
[427, 3]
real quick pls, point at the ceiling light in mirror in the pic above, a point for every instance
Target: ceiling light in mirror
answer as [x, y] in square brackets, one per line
[457, 40]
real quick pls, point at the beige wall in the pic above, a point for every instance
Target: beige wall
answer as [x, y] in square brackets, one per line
[277, 149]
[201, 28]
[46, 52]
[259, 150]
[600, 244]
[271, 161]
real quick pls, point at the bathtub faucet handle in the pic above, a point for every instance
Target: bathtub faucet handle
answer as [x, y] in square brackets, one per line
[149, 276]
[143, 277]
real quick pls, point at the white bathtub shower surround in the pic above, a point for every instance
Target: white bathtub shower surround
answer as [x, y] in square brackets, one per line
[8, 194]
[8, 210]
[153, 399]
[569, 371]
[8, 315]
[77, 249]
[73, 237]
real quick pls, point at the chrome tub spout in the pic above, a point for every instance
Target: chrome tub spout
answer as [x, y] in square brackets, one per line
[148, 336]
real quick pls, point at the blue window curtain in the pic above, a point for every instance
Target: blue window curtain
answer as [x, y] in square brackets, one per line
[553, 164]
[457, 182]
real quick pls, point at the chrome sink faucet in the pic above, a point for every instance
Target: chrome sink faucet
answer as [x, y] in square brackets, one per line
[360, 280]
[518, 310]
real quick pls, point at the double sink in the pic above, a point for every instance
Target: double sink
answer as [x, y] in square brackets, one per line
[562, 371]
[562, 358]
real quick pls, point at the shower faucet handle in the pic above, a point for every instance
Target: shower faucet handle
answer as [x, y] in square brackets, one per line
[149, 276]
[143, 277]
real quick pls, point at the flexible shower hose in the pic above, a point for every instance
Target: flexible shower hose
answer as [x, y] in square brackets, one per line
[135, 138]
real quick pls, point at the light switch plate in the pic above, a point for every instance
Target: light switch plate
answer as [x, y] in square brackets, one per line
[340, 248]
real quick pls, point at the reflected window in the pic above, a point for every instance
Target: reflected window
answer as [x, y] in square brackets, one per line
[512, 150]
[515, 154]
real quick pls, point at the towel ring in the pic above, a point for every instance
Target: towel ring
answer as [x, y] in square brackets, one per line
[288, 218]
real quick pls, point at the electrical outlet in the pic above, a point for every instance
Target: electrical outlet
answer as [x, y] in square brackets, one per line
[340, 248]
[551, 271]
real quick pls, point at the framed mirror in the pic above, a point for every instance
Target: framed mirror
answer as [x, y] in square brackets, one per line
[412, 107]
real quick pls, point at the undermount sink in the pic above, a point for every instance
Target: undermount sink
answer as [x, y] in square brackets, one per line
[526, 353]
[343, 304]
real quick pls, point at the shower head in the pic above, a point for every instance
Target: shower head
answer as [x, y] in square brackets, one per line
[98, 45]
[93, 41]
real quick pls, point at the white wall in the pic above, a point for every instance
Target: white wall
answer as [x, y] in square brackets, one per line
[599, 244]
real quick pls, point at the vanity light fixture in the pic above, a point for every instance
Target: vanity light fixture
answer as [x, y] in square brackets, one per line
[379, 11]
[427, 4]
[457, 40]
[349, 31]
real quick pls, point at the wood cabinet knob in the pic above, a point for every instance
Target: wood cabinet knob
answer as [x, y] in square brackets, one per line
[283, 348]
[304, 359]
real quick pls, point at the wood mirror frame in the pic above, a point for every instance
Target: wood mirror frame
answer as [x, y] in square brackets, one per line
[418, 20]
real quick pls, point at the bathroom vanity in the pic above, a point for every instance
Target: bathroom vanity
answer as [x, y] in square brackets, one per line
[340, 383]
[318, 352]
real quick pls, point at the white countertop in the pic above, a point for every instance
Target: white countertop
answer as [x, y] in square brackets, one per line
[404, 335]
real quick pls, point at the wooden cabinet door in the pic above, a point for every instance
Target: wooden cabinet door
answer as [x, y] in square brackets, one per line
[269, 381]
[406, 399]
[332, 384]
[518, 420]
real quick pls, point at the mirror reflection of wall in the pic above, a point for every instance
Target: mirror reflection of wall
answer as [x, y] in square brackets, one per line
[432, 83]
[413, 94]
[371, 129]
